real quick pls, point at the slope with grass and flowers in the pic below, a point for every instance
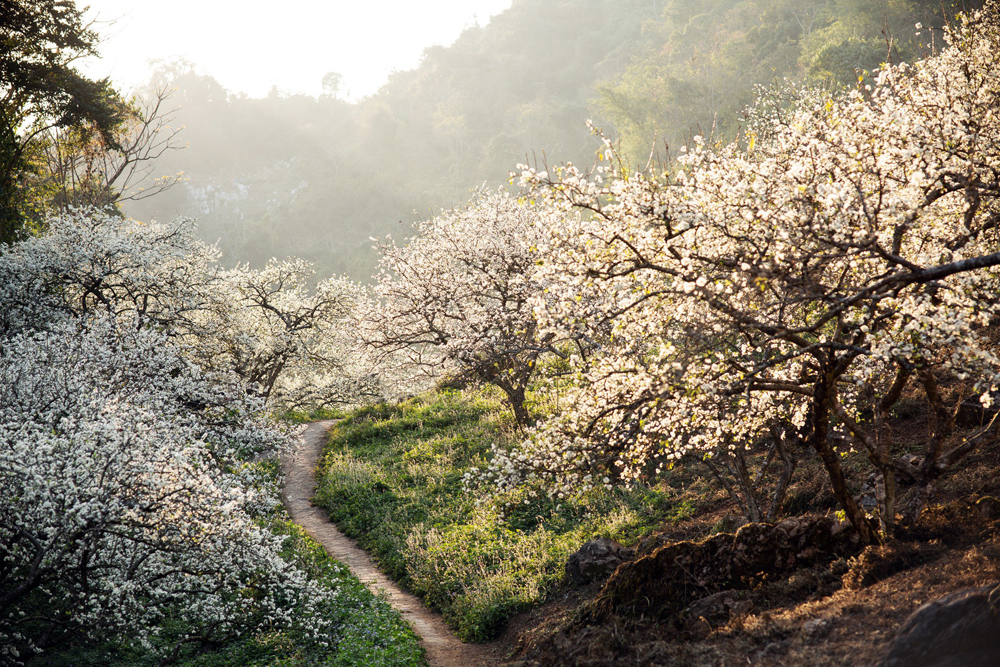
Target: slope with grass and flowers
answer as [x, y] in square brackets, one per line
[401, 479]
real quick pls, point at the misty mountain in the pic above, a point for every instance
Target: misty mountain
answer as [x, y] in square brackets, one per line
[317, 177]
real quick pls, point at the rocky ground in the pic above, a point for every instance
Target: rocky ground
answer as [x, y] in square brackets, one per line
[821, 600]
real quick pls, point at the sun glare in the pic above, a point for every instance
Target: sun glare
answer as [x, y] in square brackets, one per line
[253, 48]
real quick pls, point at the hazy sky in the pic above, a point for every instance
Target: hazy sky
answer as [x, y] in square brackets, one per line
[251, 46]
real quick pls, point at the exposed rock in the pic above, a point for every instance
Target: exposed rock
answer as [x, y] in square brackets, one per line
[596, 560]
[871, 492]
[667, 579]
[716, 609]
[651, 543]
[686, 589]
[989, 508]
[816, 629]
[730, 523]
[958, 630]
[907, 468]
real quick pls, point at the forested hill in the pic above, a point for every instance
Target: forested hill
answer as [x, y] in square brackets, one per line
[316, 178]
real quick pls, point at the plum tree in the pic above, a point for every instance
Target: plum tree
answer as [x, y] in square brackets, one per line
[793, 291]
[457, 298]
[264, 325]
[126, 498]
[295, 344]
[137, 379]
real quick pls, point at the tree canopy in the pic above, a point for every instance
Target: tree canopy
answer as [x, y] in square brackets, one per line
[41, 89]
[137, 383]
[790, 292]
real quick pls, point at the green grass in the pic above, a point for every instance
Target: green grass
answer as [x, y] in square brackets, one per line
[364, 628]
[392, 477]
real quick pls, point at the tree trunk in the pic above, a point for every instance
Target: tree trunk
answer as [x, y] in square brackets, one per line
[818, 439]
[739, 469]
[515, 397]
[720, 478]
[878, 453]
[883, 455]
[943, 424]
[786, 476]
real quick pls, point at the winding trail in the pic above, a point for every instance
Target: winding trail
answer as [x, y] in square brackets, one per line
[443, 648]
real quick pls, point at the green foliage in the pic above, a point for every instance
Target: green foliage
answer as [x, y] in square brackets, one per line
[841, 62]
[393, 476]
[41, 89]
[699, 62]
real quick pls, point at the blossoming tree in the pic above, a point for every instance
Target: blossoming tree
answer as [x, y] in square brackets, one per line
[128, 414]
[91, 262]
[123, 500]
[295, 344]
[794, 292]
[458, 297]
[266, 325]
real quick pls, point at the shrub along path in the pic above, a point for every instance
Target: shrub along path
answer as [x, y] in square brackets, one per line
[443, 648]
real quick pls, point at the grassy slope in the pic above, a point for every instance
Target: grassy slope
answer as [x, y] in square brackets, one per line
[392, 477]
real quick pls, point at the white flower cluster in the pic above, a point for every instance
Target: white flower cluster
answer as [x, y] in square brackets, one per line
[265, 325]
[459, 297]
[121, 494]
[295, 344]
[125, 496]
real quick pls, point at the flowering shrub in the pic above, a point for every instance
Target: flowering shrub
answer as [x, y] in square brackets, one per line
[133, 380]
[121, 494]
[788, 294]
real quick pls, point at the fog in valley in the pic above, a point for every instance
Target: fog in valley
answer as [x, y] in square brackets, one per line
[316, 176]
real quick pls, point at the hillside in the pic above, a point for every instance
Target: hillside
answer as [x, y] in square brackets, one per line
[741, 405]
[494, 564]
[316, 178]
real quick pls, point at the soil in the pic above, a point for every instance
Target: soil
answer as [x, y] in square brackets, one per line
[842, 611]
[801, 619]
[443, 648]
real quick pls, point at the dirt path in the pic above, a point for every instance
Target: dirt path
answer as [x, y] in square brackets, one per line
[443, 648]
